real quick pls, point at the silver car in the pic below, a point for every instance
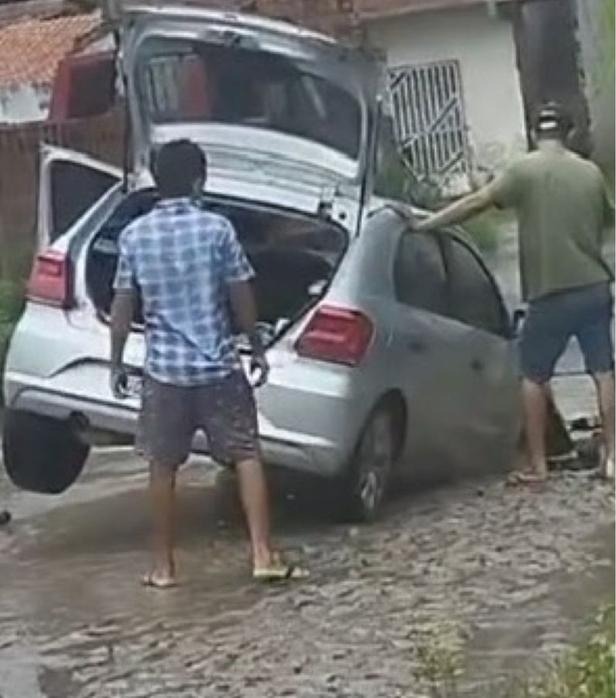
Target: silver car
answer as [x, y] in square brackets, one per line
[390, 352]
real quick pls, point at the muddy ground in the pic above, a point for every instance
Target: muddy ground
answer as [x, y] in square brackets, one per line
[508, 577]
[496, 580]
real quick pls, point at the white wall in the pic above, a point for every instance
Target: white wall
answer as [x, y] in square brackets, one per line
[24, 103]
[484, 46]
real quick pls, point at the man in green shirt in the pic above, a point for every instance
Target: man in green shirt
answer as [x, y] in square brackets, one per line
[563, 210]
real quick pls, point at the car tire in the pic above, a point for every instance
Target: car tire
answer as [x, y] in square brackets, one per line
[368, 479]
[41, 454]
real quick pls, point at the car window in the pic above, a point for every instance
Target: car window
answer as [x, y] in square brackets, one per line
[74, 188]
[194, 81]
[473, 297]
[419, 274]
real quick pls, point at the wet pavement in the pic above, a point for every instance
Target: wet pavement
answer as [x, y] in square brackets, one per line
[494, 579]
[495, 574]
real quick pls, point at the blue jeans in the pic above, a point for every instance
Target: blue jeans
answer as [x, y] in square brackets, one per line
[584, 313]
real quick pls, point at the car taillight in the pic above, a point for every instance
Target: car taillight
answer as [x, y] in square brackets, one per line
[50, 281]
[337, 335]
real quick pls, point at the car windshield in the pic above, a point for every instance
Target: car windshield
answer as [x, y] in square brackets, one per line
[193, 81]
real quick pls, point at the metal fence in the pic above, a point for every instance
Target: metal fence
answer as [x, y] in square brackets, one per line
[429, 115]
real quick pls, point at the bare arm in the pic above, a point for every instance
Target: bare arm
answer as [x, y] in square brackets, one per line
[122, 310]
[244, 309]
[460, 211]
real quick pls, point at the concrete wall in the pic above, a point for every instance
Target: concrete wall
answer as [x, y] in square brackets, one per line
[597, 54]
[24, 103]
[484, 45]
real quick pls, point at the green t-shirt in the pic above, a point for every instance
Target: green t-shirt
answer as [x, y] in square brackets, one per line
[563, 210]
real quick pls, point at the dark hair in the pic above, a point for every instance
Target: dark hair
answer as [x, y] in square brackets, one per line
[552, 121]
[176, 167]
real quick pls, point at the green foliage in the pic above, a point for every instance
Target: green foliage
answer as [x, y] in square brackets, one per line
[11, 305]
[608, 23]
[440, 662]
[585, 672]
[604, 70]
[11, 301]
[485, 231]
[588, 672]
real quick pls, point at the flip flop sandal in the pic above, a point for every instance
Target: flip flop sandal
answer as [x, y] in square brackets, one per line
[151, 582]
[280, 573]
[525, 478]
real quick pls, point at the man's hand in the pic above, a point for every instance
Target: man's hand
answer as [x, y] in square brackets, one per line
[122, 310]
[259, 369]
[119, 382]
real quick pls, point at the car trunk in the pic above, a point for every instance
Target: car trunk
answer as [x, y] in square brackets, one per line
[294, 257]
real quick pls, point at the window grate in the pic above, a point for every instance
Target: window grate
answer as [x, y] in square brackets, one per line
[429, 115]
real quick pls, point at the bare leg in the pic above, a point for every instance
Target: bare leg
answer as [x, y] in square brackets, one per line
[255, 501]
[162, 496]
[604, 383]
[535, 418]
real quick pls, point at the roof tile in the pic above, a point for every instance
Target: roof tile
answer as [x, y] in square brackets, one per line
[31, 49]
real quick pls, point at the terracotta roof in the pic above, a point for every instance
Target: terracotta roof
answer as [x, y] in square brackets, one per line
[30, 50]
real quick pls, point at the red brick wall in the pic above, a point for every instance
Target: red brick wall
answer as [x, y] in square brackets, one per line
[329, 16]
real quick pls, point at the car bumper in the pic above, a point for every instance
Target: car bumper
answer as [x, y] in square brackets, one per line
[63, 396]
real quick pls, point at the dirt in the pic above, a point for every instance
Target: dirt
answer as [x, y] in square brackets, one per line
[496, 580]
[505, 576]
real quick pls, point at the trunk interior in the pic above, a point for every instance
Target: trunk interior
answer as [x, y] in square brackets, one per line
[294, 257]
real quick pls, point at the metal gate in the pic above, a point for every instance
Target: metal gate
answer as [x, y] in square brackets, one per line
[429, 115]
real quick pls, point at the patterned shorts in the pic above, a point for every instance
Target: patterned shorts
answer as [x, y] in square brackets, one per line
[171, 415]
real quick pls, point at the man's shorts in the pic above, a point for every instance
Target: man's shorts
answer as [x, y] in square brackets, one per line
[171, 415]
[584, 313]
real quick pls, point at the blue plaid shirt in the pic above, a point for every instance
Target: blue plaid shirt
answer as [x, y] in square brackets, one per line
[180, 259]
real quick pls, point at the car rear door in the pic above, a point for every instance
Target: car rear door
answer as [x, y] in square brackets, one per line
[70, 183]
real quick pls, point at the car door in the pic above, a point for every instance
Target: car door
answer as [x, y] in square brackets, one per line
[429, 367]
[486, 353]
[70, 183]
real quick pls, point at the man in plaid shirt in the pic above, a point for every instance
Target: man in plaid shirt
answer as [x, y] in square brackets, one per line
[188, 269]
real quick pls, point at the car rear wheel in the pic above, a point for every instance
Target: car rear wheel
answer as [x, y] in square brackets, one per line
[372, 466]
[41, 454]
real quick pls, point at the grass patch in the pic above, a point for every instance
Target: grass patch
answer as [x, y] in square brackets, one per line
[486, 229]
[11, 306]
[11, 301]
[587, 671]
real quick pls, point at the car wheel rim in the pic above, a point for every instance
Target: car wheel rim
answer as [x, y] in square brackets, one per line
[376, 455]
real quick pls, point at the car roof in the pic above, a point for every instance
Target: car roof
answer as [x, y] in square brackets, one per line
[408, 211]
